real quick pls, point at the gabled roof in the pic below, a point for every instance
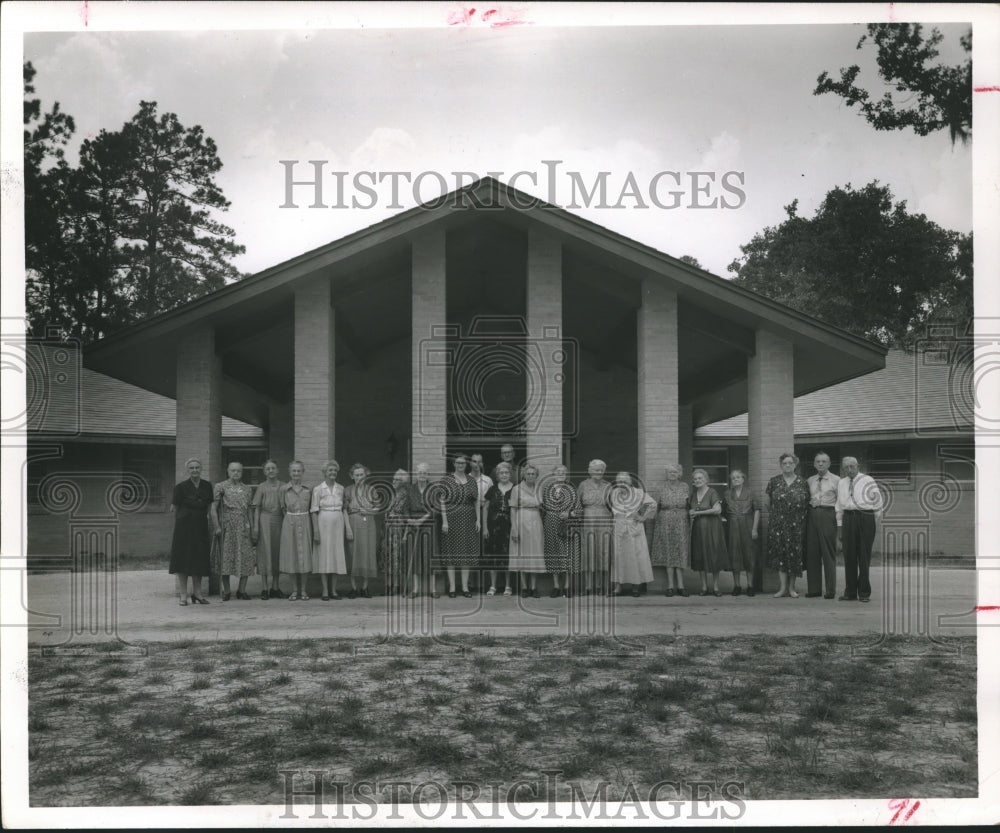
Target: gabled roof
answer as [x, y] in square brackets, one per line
[67, 400]
[143, 354]
[915, 394]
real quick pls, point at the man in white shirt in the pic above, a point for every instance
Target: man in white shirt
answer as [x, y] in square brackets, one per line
[859, 505]
[821, 530]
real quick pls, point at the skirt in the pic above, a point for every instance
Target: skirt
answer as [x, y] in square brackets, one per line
[364, 547]
[269, 544]
[296, 544]
[330, 555]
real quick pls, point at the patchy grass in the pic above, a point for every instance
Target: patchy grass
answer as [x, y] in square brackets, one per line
[199, 723]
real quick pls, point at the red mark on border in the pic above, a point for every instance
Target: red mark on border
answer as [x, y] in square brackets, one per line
[987, 608]
[495, 17]
[899, 805]
[892, 12]
[85, 13]
[995, 88]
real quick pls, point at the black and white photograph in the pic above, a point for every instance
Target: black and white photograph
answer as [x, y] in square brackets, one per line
[500, 414]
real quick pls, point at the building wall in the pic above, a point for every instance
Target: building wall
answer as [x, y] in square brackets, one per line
[607, 418]
[938, 500]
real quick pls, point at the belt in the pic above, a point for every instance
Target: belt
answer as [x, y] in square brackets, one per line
[860, 511]
[296, 513]
[329, 509]
[829, 508]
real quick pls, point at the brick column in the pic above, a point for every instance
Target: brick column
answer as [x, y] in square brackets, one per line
[770, 401]
[546, 356]
[429, 350]
[656, 325]
[281, 436]
[685, 438]
[315, 371]
[199, 404]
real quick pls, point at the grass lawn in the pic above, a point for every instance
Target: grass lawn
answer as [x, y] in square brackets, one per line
[196, 723]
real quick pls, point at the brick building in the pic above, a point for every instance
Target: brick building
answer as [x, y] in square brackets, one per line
[485, 318]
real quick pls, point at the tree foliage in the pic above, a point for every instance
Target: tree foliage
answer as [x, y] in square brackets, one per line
[127, 233]
[935, 97]
[864, 264]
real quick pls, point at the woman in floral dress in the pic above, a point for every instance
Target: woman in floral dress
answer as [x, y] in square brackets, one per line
[231, 513]
[460, 525]
[296, 530]
[562, 550]
[596, 529]
[671, 547]
[527, 547]
[788, 499]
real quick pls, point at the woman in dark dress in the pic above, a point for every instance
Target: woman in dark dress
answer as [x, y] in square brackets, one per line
[497, 511]
[460, 525]
[742, 515]
[788, 499]
[708, 544]
[189, 550]
[395, 539]
[420, 535]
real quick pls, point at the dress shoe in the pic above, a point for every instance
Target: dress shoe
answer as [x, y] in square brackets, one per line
[846, 598]
[199, 600]
[751, 592]
[353, 594]
[226, 597]
[864, 598]
[737, 590]
[669, 592]
[275, 593]
[813, 595]
[829, 595]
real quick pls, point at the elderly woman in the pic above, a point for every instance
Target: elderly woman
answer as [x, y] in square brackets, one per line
[527, 548]
[742, 514]
[420, 522]
[189, 550]
[266, 529]
[597, 528]
[460, 525]
[708, 543]
[359, 501]
[394, 542]
[671, 547]
[788, 499]
[330, 528]
[231, 514]
[562, 551]
[496, 511]
[296, 530]
[631, 507]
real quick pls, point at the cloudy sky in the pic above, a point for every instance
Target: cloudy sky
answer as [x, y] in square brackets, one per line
[623, 100]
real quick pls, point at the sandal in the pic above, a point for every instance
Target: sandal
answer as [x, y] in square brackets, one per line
[264, 595]
[467, 594]
[670, 592]
[303, 597]
[703, 593]
[293, 596]
[452, 594]
[325, 598]
[492, 591]
[182, 601]
[716, 593]
[507, 591]
[200, 600]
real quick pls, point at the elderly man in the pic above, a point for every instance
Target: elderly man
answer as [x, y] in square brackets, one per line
[507, 456]
[821, 530]
[859, 505]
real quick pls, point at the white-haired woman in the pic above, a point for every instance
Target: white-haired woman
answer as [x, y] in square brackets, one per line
[562, 551]
[189, 550]
[631, 507]
[527, 537]
[331, 527]
[597, 529]
[421, 532]
[363, 517]
[394, 542]
[671, 547]
[296, 530]
[266, 528]
[497, 519]
[708, 544]
[231, 513]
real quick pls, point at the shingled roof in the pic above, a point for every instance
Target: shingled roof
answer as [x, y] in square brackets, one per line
[915, 394]
[65, 399]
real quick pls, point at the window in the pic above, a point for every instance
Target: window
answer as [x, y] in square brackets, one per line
[253, 460]
[807, 453]
[715, 461]
[958, 461]
[889, 462]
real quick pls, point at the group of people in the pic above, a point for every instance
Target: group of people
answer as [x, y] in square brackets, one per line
[515, 524]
